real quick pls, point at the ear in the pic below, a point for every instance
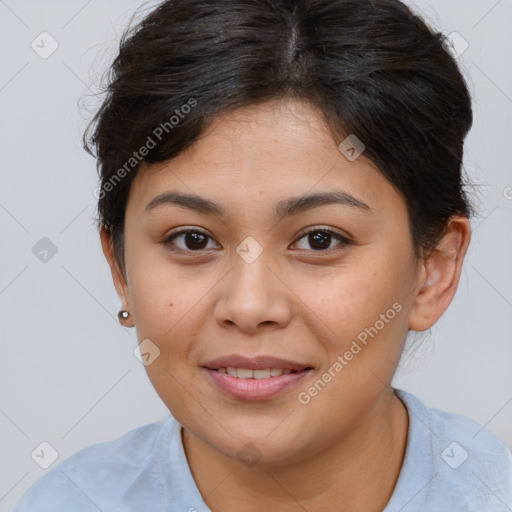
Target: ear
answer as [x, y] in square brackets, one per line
[117, 274]
[439, 275]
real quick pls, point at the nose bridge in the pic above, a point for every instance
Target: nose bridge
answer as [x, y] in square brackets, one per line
[251, 275]
[252, 296]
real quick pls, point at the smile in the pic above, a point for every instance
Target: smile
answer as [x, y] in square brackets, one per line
[246, 373]
[251, 385]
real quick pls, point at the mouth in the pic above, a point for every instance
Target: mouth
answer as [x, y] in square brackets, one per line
[247, 373]
[254, 363]
[255, 378]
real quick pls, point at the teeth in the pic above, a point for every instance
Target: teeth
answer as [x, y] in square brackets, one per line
[245, 373]
[242, 373]
[261, 374]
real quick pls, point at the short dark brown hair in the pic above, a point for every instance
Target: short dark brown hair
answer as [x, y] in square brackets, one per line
[372, 67]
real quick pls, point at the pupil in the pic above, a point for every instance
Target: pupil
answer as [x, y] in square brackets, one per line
[319, 238]
[195, 241]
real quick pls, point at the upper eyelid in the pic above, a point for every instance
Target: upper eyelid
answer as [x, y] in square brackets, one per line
[321, 228]
[305, 231]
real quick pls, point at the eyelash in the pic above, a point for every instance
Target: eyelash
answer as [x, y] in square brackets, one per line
[344, 241]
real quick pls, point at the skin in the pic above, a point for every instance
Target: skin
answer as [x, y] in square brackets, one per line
[346, 446]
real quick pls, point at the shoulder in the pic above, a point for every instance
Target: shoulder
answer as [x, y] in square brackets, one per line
[468, 440]
[468, 464]
[99, 475]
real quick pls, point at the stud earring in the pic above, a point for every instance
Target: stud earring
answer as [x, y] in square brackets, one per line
[123, 315]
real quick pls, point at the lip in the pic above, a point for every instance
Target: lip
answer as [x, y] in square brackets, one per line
[261, 362]
[255, 389]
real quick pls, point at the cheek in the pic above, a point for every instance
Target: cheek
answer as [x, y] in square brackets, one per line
[364, 302]
[163, 295]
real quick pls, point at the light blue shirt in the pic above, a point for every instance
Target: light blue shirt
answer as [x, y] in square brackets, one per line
[451, 464]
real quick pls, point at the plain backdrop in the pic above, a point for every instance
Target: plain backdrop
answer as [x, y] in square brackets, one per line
[68, 373]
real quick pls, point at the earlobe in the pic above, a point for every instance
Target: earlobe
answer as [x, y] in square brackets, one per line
[440, 274]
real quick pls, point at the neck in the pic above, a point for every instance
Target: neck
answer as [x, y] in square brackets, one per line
[359, 472]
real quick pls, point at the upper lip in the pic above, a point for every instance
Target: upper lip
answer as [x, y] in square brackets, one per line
[261, 362]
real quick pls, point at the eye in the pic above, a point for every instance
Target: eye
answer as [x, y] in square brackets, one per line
[320, 239]
[189, 240]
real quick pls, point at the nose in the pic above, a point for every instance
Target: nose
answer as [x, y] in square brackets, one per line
[252, 298]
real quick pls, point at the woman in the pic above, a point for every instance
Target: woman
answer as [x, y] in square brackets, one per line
[281, 202]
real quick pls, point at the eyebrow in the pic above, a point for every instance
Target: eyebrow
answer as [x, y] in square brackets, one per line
[286, 207]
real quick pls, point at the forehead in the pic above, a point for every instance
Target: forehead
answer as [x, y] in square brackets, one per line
[264, 153]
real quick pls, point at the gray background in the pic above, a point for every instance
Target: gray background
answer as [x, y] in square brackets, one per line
[67, 369]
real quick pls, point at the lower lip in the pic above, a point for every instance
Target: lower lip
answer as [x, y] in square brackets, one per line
[255, 389]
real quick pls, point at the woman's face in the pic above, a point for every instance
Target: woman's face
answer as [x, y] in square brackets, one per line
[248, 282]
